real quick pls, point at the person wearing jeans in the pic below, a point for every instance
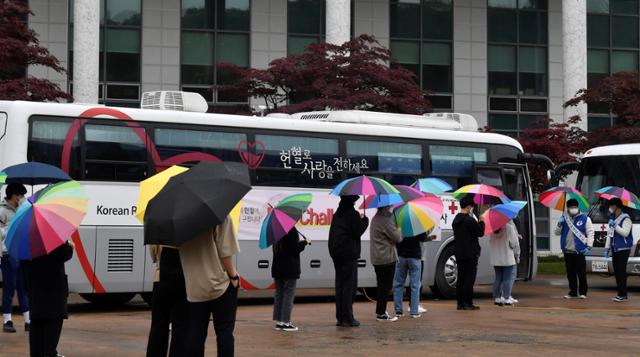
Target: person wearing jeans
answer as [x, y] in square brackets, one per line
[505, 255]
[384, 235]
[212, 284]
[620, 241]
[285, 270]
[409, 263]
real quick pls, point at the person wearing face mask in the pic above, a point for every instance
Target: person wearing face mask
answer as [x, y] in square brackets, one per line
[466, 231]
[347, 227]
[383, 237]
[12, 275]
[620, 241]
[576, 239]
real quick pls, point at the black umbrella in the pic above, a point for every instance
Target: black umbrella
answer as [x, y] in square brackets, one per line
[194, 201]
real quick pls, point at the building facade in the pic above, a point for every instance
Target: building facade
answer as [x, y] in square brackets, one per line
[506, 62]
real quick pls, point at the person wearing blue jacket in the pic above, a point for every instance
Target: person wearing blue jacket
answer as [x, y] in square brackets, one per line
[576, 239]
[620, 241]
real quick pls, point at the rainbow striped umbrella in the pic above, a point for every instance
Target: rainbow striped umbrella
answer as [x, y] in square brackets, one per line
[498, 216]
[406, 194]
[482, 194]
[419, 215]
[627, 197]
[282, 218]
[364, 185]
[46, 220]
[557, 197]
[432, 185]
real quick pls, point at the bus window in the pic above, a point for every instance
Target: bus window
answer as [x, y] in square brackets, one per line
[115, 153]
[295, 160]
[222, 145]
[455, 161]
[46, 142]
[386, 157]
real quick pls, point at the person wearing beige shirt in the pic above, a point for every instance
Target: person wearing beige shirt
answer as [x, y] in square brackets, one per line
[212, 286]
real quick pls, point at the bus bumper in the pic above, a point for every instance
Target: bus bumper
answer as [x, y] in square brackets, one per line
[601, 265]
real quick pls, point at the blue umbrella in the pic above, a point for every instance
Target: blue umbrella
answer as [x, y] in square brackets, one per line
[498, 216]
[34, 173]
[432, 185]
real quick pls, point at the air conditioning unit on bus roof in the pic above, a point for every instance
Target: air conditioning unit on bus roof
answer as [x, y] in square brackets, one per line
[447, 121]
[174, 100]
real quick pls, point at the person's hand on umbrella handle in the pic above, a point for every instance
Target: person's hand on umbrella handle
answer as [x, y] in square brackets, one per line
[431, 238]
[520, 237]
[71, 244]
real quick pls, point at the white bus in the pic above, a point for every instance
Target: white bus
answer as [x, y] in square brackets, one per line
[109, 150]
[614, 165]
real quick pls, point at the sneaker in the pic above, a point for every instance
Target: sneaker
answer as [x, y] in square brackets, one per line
[620, 299]
[27, 326]
[8, 327]
[422, 310]
[470, 307]
[399, 314]
[510, 301]
[386, 317]
[280, 327]
[290, 327]
[415, 316]
[569, 296]
[499, 301]
[583, 297]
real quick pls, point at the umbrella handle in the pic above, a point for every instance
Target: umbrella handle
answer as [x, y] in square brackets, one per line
[305, 237]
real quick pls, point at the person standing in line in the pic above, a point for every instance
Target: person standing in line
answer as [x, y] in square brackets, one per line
[285, 270]
[48, 290]
[168, 305]
[12, 275]
[347, 227]
[620, 241]
[212, 285]
[466, 231]
[505, 255]
[576, 239]
[409, 262]
[384, 235]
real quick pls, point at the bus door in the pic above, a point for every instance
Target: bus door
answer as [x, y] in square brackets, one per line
[513, 181]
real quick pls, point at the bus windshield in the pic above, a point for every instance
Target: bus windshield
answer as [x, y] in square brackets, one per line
[602, 171]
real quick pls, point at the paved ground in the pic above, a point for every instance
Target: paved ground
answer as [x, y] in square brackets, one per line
[542, 323]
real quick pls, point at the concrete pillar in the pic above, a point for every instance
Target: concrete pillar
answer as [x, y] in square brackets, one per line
[338, 21]
[86, 41]
[574, 54]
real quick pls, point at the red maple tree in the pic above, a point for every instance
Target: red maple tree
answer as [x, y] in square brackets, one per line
[20, 48]
[360, 74]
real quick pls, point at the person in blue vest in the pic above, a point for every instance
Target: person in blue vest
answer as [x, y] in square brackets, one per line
[576, 239]
[620, 241]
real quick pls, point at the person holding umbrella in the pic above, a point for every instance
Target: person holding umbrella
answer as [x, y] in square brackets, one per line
[505, 255]
[347, 227]
[576, 239]
[620, 241]
[12, 275]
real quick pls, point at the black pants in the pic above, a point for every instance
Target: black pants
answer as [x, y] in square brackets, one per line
[384, 279]
[620, 260]
[44, 336]
[169, 305]
[223, 310]
[576, 266]
[346, 282]
[467, 270]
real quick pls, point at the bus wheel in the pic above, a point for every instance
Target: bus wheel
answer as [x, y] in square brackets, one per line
[447, 273]
[147, 297]
[108, 299]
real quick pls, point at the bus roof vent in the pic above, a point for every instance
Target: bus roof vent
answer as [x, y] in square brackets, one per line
[448, 121]
[174, 100]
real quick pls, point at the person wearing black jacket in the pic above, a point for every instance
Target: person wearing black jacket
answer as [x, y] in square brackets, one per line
[285, 270]
[466, 230]
[48, 291]
[347, 227]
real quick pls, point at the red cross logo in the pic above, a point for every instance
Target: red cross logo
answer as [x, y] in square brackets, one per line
[603, 227]
[453, 208]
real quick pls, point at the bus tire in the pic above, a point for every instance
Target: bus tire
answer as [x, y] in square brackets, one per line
[446, 274]
[108, 299]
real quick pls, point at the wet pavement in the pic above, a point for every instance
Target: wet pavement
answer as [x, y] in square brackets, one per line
[542, 323]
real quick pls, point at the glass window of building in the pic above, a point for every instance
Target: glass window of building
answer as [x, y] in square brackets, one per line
[305, 24]
[518, 77]
[421, 41]
[612, 46]
[120, 52]
[213, 32]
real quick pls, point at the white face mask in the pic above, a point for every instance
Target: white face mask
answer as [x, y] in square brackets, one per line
[574, 211]
[471, 210]
[612, 210]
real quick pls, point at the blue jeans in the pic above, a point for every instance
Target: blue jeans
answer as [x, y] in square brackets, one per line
[12, 280]
[412, 266]
[505, 276]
